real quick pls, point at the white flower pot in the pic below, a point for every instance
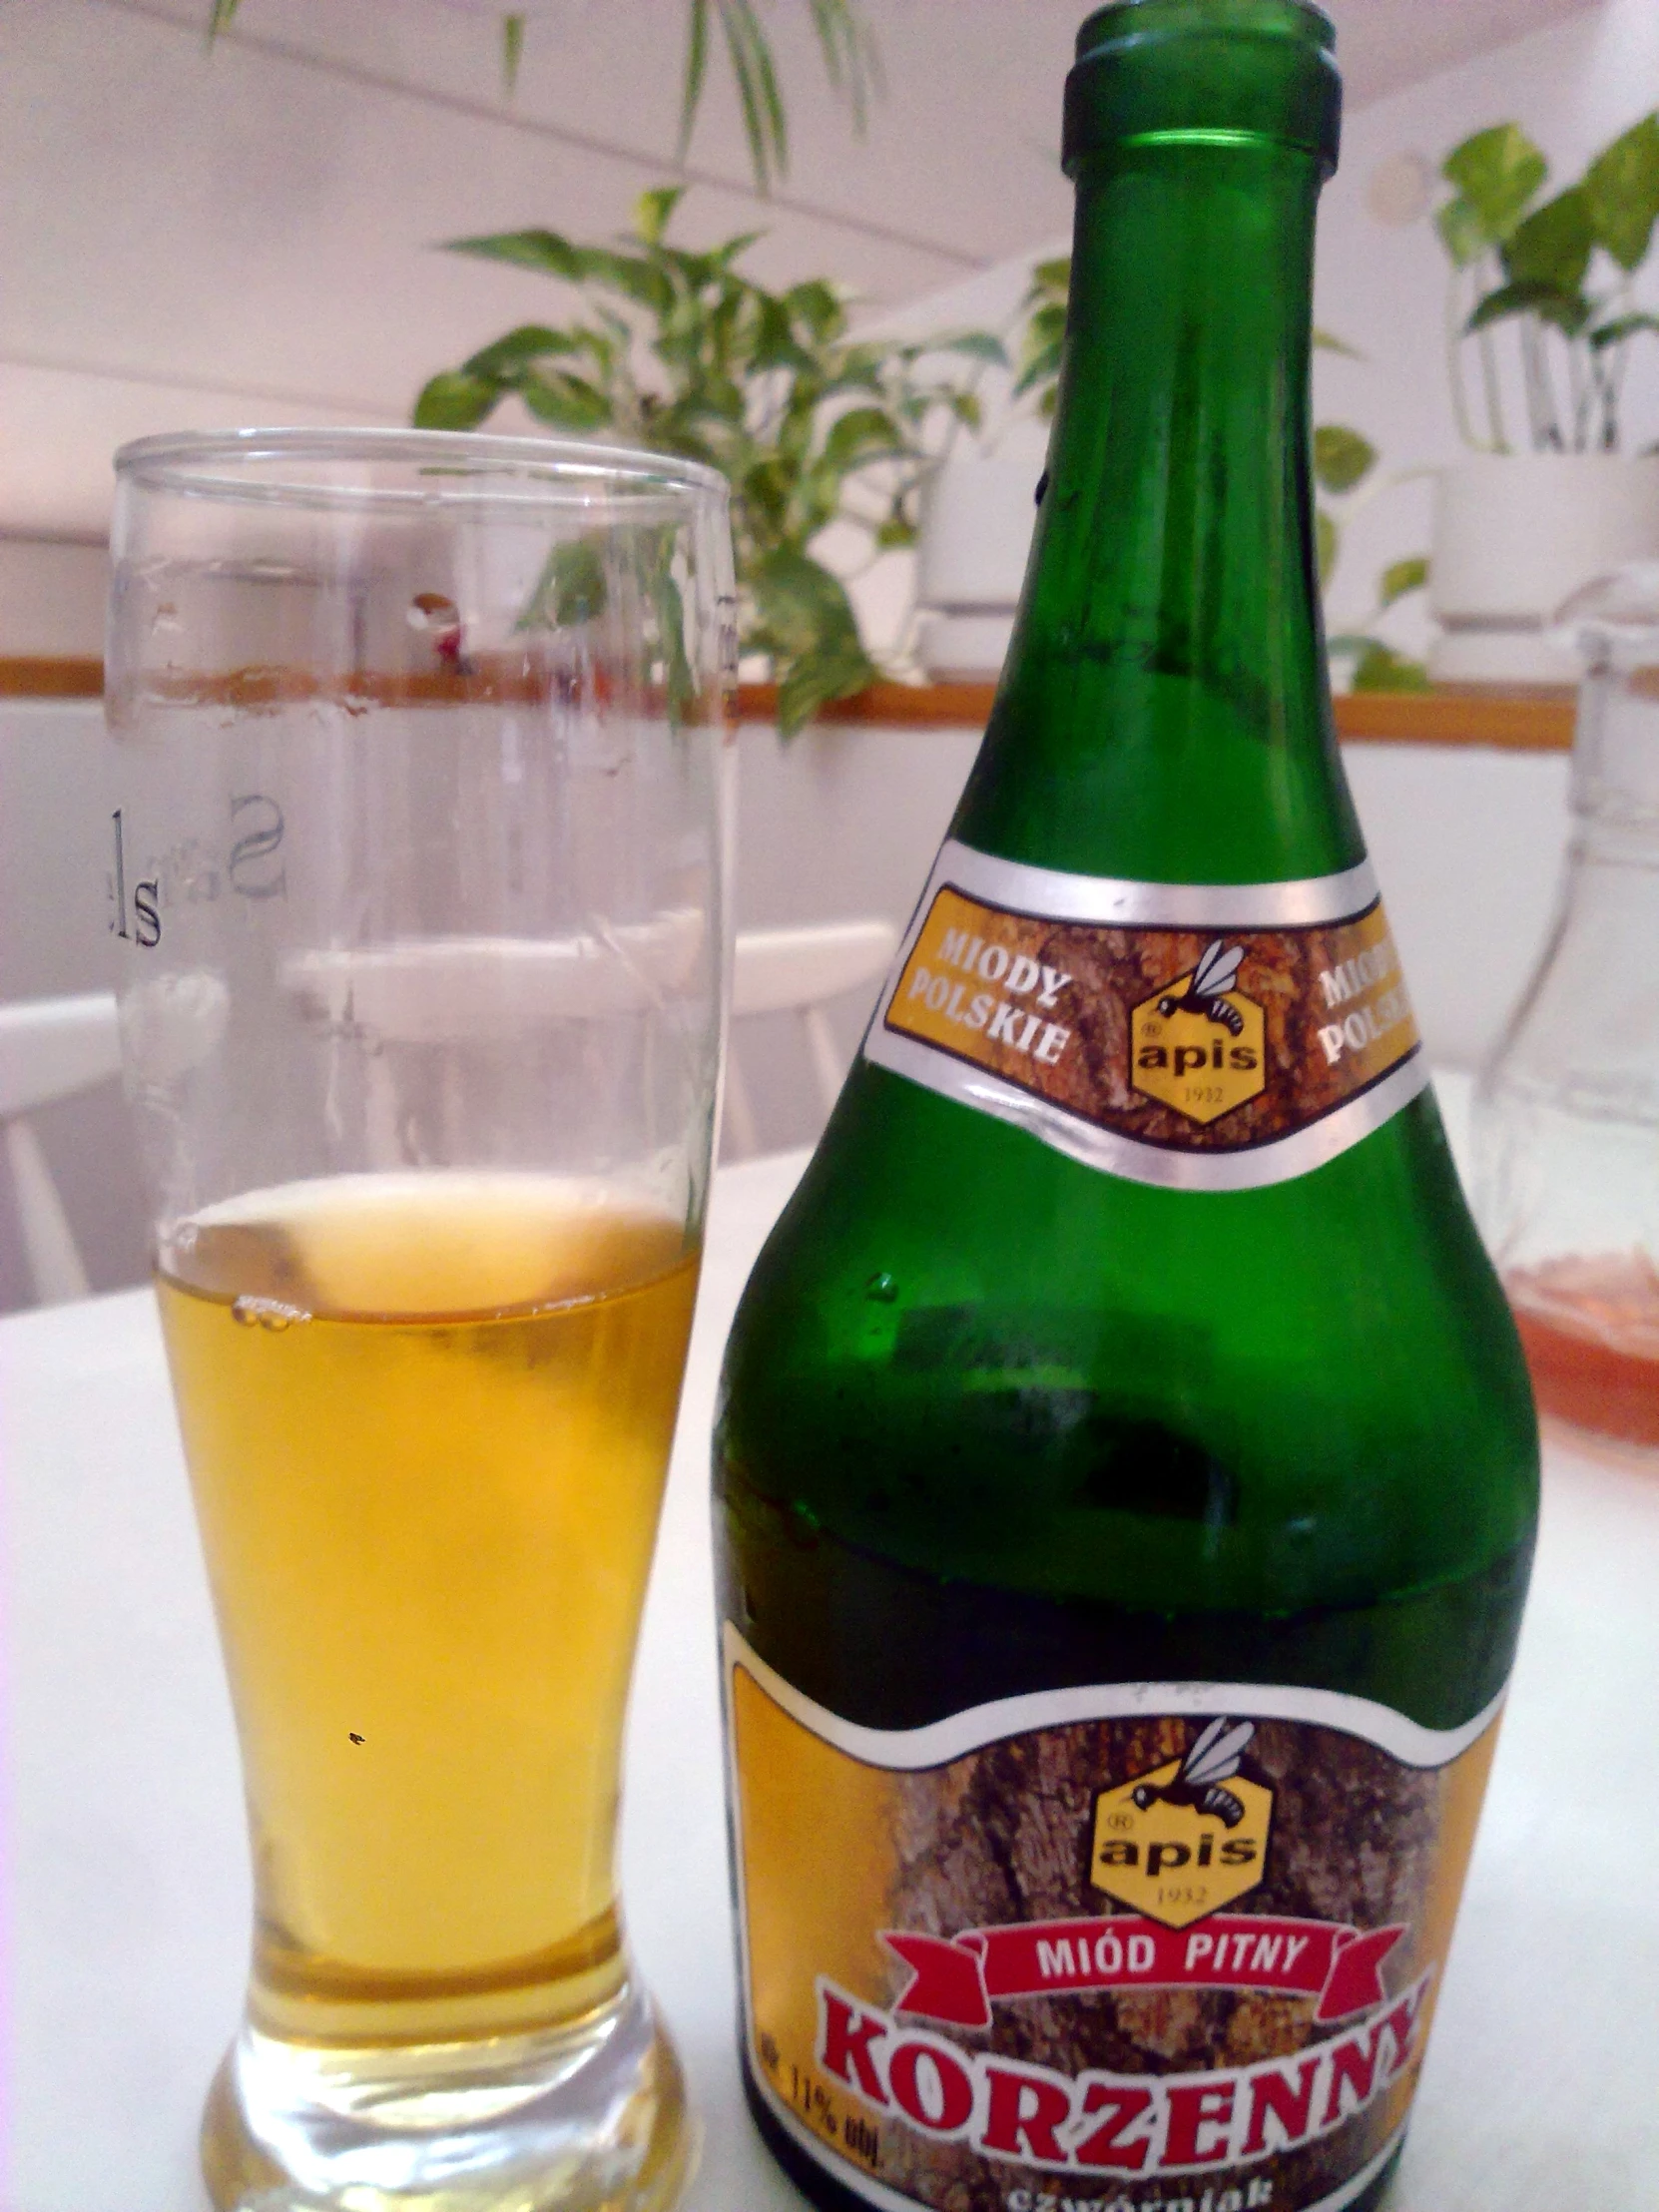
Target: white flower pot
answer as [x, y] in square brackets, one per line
[977, 517]
[1515, 535]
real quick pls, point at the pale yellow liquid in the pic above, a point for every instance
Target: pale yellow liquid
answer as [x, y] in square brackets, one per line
[427, 1421]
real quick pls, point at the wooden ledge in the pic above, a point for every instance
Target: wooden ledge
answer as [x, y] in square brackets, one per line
[1514, 721]
[1517, 722]
[37, 677]
[895, 706]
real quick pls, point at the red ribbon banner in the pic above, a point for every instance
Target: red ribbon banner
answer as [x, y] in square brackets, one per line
[957, 1979]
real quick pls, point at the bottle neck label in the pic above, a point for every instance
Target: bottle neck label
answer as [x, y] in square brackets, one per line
[1202, 1036]
[1117, 1948]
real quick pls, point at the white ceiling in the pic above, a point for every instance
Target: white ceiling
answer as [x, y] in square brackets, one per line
[249, 235]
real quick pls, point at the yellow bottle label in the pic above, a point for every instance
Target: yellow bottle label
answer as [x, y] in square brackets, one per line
[1126, 1949]
[1197, 1035]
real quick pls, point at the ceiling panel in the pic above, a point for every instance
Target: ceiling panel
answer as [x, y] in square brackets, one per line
[960, 154]
[252, 233]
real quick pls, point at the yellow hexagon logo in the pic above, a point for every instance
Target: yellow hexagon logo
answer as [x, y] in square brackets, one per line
[1185, 1838]
[1199, 1044]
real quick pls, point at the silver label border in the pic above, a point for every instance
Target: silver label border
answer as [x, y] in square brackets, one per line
[1118, 903]
[1123, 903]
[937, 1742]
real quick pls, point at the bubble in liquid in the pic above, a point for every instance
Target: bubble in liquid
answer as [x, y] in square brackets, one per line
[884, 1289]
[266, 1313]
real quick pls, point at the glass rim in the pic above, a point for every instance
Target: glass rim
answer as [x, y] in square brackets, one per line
[481, 466]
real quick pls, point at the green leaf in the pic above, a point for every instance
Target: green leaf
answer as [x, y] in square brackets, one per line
[1496, 172]
[801, 606]
[1403, 577]
[1566, 310]
[570, 589]
[1327, 544]
[579, 587]
[852, 63]
[568, 402]
[669, 609]
[816, 306]
[638, 276]
[1462, 233]
[763, 123]
[1625, 327]
[696, 68]
[1553, 246]
[510, 353]
[1325, 343]
[774, 344]
[512, 50]
[897, 531]
[862, 435]
[1041, 352]
[654, 208]
[851, 60]
[1341, 458]
[1622, 188]
[722, 257]
[221, 15]
[814, 680]
[964, 405]
[454, 401]
[543, 250]
[972, 345]
[1380, 669]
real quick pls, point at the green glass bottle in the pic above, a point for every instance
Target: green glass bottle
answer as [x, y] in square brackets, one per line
[1126, 1474]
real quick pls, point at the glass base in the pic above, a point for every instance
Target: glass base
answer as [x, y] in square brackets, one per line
[591, 2118]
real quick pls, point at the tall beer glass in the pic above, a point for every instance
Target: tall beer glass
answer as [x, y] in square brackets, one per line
[416, 885]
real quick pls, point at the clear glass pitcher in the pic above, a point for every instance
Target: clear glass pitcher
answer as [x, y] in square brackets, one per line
[1567, 1110]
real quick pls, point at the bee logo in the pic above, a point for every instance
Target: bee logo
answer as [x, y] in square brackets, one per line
[1213, 1760]
[1188, 1837]
[1200, 1043]
[1215, 975]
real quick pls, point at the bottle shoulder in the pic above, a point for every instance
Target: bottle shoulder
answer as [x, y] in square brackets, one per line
[962, 1346]
[913, 1201]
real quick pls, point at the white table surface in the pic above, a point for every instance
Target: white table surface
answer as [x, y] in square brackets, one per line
[126, 1865]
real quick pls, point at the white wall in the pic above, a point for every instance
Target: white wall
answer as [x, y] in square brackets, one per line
[52, 596]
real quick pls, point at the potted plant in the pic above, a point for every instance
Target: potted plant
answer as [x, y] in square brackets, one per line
[1543, 307]
[681, 352]
[977, 516]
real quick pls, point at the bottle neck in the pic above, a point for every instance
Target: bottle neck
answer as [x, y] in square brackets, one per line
[1167, 683]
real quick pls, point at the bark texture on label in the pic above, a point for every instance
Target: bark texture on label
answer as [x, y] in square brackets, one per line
[944, 2003]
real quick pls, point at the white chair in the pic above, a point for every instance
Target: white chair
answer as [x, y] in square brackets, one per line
[796, 971]
[50, 1049]
[496, 986]
[55, 1048]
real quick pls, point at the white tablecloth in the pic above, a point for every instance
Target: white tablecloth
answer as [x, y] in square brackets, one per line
[126, 1863]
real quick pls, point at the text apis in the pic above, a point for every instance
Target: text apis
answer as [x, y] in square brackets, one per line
[997, 1012]
[1105, 2122]
[1369, 1024]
